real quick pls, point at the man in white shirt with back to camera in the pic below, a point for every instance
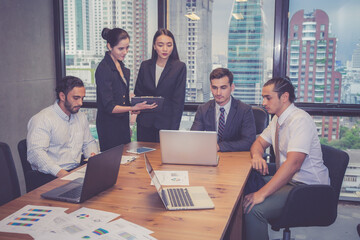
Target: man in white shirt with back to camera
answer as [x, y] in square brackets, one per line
[59, 134]
[293, 134]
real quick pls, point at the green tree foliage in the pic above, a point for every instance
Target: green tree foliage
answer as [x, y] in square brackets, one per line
[349, 138]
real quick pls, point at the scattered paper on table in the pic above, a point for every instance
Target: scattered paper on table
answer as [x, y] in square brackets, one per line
[44, 223]
[30, 219]
[93, 217]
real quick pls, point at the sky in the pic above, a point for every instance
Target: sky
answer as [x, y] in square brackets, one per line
[344, 17]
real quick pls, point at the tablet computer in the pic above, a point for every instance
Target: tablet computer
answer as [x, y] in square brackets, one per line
[140, 150]
[149, 100]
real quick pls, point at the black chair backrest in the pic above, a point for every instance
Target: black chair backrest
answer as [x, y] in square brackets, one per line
[336, 161]
[9, 183]
[261, 119]
[22, 149]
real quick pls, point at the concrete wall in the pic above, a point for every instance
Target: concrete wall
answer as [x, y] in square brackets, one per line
[27, 68]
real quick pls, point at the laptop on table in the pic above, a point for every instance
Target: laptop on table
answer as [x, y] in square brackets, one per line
[189, 147]
[180, 198]
[101, 173]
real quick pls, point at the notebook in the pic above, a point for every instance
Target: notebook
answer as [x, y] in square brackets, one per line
[180, 198]
[189, 147]
[101, 173]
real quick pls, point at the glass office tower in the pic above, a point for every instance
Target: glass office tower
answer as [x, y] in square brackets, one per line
[191, 23]
[246, 51]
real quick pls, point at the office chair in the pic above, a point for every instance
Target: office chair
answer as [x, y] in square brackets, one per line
[261, 122]
[9, 188]
[314, 205]
[261, 119]
[32, 177]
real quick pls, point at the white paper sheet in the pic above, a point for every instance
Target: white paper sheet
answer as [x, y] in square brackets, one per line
[173, 178]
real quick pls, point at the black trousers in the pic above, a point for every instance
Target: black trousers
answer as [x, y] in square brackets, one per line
[147, 134]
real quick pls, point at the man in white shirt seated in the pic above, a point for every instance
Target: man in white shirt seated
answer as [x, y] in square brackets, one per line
[59, 134]
[293, 134]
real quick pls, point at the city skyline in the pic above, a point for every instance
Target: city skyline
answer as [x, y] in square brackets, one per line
[341, 14]
[206, 40]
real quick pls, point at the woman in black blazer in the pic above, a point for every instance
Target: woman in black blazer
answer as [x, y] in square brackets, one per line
[112, 92]
[162, 75]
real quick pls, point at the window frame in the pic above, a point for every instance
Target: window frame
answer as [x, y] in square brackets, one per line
[279, 57]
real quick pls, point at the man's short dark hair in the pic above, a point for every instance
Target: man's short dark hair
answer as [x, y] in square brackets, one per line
[220, 73]
[282, 85]
[66, 84]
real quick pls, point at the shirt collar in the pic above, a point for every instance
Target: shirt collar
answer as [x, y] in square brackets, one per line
[286, 113]
[226, 106]
[60, 112]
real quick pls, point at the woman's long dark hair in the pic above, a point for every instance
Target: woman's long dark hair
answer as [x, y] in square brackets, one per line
[174, 55]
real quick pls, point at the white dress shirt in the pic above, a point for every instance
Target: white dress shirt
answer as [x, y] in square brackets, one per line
[298, 134]
[158, 73]
[56, 141]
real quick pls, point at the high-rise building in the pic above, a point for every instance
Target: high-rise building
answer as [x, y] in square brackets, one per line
[246, 51]
[140, 33]
[78, 28]
[191, 23]
[84, 21]
[355, 58]
[311, 65]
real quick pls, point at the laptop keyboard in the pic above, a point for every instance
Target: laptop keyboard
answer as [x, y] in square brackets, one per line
[179, 197]
[73, 193]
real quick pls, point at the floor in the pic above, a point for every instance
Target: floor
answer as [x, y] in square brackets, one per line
[344, 228]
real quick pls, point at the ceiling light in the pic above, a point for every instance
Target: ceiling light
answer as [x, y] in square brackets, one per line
[192, 16]
[238, 16]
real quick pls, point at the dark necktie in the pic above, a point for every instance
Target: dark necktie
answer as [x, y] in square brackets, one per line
[221, 126]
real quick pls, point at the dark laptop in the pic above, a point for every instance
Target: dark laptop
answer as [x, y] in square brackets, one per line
[101, 173]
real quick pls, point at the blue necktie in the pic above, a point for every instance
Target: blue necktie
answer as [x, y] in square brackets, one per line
[221, 124]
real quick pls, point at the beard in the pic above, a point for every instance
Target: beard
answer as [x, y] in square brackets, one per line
[70, 108]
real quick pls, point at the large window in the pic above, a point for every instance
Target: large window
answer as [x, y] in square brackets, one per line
[330, 72]
[320, 52]
[234, 34]
[85, 48]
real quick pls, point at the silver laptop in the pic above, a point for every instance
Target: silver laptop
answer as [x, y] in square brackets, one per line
[180, 198]
[101, 173]
[189, 147]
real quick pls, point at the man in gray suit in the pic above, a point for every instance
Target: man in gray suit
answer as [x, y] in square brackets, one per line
[232, 119]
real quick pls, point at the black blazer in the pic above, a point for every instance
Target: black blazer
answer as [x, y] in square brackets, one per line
[113, 129]
[240, 131]
[171, 86]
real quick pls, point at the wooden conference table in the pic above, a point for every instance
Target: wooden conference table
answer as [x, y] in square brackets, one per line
[137, 201]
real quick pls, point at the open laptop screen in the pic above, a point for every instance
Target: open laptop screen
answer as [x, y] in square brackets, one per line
[152, 174]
